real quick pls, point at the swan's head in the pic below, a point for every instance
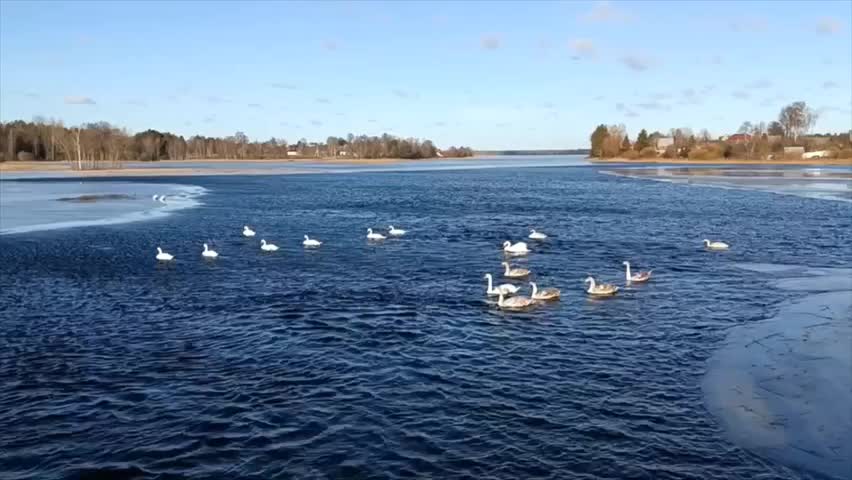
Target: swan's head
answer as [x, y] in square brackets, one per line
[245, 227]
[588, 279]
[625, 263]
[369, 230]
[390, 227]
[262, 241]
[507, 244]
[159, 250]
[505, 264]
[306, 237]
[487, 275]
[532, 230]
[706, 242]
[532, 285]
[205, 246]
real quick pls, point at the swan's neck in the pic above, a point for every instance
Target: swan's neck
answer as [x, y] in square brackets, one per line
[506, 271]
[490, 283]
[628, 270]
[500, 300]
[591, 284]
[535, 289]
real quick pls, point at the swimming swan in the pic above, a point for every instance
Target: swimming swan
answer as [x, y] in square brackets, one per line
[396, 232]
[207, 253]
[514, 272]
[638, 277]
[374, 236]
[545, 293]
[311, 243]
[513, 303]
[247, 232]
[519, 248]
[506, 288]
[537, 235]
[602, 290]
[716, 245]
[163, 256]
[267, 247]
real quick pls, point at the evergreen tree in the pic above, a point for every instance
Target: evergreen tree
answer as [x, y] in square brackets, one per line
[597, 140]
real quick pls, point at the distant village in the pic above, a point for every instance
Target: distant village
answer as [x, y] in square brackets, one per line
[786, 138]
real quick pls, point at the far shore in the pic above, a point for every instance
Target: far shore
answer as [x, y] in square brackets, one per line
[175, 169]
[846, 162]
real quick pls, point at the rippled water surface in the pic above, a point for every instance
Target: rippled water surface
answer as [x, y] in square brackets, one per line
[386, 361]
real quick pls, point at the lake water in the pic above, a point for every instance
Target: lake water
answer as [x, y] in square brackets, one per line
[361, 360]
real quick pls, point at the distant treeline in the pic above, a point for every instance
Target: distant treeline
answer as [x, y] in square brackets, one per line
[573, 151]
[101, 145]
[787, 137]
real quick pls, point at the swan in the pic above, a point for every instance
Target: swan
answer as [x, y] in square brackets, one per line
[604, 289]
[247, 232]
[545, 293]
[513, 303]
[267, 247]
[514, 272]
[163, 256]
[207, 253]
[536, 235]
[716, 245]
[310, 242]
[639, 277]
[396, 232]
[162, 199]
[519, 248]
[155, 198]
[374, 236]
[506, 288]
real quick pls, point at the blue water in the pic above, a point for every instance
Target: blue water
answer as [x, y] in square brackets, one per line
[362, 360]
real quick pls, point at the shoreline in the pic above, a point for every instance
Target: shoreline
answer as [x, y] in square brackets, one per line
[826, 162]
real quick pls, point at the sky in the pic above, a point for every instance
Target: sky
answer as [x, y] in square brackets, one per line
[491, 75]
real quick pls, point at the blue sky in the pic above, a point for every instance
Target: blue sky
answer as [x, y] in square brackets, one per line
[489, 75]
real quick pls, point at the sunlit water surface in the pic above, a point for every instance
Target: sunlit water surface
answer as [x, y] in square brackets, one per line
[363, 360]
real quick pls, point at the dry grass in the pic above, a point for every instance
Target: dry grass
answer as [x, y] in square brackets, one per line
[847, 162]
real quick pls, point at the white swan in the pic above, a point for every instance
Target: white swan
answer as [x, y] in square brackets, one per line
[600, 290]
[207, 253]
[716, 245]
[267, 247]
[537, 235]
[310, 242]
[374, 236]
[545, 293]
[163, 256]
[519, 248]
[510, 272]
[513, 303]
[506, 288]
[638, 277]
[396, 232]
[155, 198]
[247, 232]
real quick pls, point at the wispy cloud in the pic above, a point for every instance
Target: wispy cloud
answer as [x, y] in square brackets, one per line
[582, 48]
[599, 98]
[652, 106]
[759, 84]
[826, 109]
[637, 63]
[708, 89]
[716, 60]
[215, 99]
[828, 26]
[30, 94]
[330, 45]
[661, 96]
[284, 86]
[740, 94]
[322, 100]
[631, 114]
[316, 123]
[254, 105]
[604, 12]
[754, 24]
[137, 102]
[372, 120]
[440, 124]
[403, 94]
[829, 84]
[774, 100]
[620, 106]
[490, 42]
[546, 105]
[79, 100]
[209, 119]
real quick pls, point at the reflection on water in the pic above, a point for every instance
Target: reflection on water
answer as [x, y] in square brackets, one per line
[829, 183]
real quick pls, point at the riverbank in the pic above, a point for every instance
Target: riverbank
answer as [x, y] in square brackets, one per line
[184, 167]
[844, 162]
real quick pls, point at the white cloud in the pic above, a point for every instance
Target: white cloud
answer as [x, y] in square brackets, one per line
[637, 63]
[582, 48]
[79, 100]
[740, 94]
[758, 84]
[605, 12]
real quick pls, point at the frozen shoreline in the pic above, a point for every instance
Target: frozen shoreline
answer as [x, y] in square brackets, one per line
[782, 387]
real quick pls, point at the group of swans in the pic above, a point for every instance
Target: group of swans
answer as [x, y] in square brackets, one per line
[392, 231]
[519, 303]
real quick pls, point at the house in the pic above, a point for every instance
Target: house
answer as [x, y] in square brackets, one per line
[663, 143]
[292, 153]
[739, 138]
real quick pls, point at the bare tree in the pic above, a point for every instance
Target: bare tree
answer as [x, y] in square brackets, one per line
[796, 119]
